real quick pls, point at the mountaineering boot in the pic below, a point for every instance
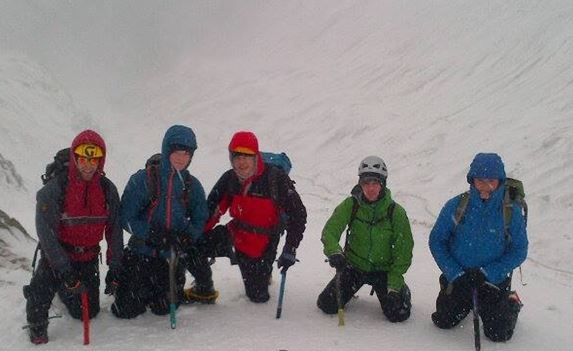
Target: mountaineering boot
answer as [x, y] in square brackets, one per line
[200, 293]
[39, 333]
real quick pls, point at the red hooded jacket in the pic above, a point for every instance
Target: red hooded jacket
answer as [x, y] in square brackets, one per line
[84, 214]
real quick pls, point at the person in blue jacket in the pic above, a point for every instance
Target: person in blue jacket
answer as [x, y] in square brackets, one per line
[477, 253]
[163, 208]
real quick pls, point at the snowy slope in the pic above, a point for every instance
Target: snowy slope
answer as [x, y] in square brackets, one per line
[38, 117]
[424, 84]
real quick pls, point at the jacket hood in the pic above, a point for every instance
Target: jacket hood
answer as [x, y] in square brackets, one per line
[486, 165]
[88, 136]
[246, 142]
[176, 135]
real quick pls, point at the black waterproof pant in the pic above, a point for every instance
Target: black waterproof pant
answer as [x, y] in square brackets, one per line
[351, 280]
[144, 282]
[497, 309]
[46, 283]
[256, 272]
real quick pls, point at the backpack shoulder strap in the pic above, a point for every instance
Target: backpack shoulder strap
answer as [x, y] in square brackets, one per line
[507, 214]
[461, 209]
[153, 184]
[273, 178]
[355, 206]
[390, 213]
[187, 184]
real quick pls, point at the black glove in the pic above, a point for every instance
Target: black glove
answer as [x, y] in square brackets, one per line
[337, 261]
[111, 282]
[472, 278]
[184, 242]
[158, 240]
[287, 258]
[217, 243]
[72, 282]
[391, 301]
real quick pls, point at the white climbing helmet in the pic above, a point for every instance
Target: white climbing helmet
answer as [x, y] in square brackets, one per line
[373, 167]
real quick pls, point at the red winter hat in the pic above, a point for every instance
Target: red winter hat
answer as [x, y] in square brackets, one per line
[244, 143]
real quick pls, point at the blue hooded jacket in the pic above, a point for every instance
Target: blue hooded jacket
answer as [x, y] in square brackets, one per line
[137, 219]
[478, 241]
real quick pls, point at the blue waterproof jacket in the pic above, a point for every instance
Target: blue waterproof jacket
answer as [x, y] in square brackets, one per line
[479, 241]
[170, 215]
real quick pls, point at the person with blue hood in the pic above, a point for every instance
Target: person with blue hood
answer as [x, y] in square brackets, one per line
[473, 252]
[162, 207]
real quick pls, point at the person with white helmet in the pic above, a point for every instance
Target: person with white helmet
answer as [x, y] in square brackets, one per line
[377, 249]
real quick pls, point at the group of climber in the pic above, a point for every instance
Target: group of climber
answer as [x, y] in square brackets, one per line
[167, 214]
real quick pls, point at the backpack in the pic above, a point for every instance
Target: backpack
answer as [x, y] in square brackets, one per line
[514, 193]
[58, 166]
[152, 170]
[280, 161]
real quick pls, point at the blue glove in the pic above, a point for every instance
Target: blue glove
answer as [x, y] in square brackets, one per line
[287, 258]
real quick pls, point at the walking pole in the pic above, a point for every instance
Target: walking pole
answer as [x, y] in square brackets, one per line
[477, 341]
[172, 287]
[86, 317]
[339, 299]
[281, 295]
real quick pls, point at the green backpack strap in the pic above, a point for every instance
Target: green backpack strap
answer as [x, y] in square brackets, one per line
[462, 206]
[513, 193]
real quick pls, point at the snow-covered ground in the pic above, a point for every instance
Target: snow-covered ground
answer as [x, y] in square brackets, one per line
[425, 84]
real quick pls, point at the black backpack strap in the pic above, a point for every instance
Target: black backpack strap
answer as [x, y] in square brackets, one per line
[187, 184]
[355, 206]
[154, 187]
[273, 178]
[390, 213]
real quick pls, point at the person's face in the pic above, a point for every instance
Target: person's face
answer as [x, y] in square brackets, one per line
[87, 166]
[180, 159]
[244, 165]
[371, 189]
[485, 187]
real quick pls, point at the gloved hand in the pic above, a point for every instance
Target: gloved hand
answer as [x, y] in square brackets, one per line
[392, 300]
[337, 261]
[472, 278]
[111, 282]
[287, 258]
[184, 241]
[219, 243]
[158, 240]
[72, 282]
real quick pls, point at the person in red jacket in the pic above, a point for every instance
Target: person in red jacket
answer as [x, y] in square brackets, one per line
[262, 202]
[74, 211]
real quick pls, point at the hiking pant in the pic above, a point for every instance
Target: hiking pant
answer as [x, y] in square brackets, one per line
[198, 265]
[351, 280]
[497, 309]
[144, 282]
[45, 283]
[256, 272]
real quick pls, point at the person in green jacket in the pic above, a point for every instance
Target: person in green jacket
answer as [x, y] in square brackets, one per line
[378, 248]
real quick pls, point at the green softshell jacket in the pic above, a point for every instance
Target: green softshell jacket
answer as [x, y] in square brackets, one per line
[375, 243]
